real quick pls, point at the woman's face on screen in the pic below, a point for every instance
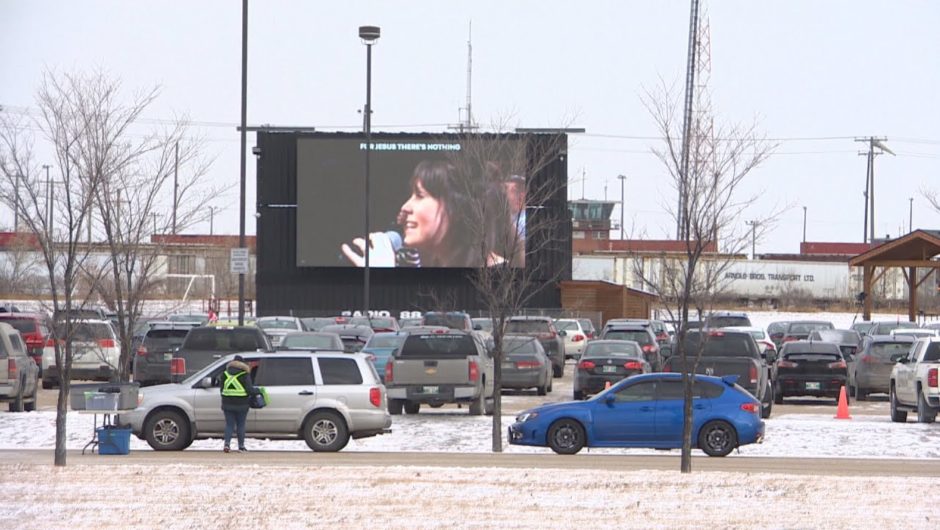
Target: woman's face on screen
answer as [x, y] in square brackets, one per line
[422, 218]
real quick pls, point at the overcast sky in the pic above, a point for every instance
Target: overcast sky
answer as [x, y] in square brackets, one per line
[814, 74]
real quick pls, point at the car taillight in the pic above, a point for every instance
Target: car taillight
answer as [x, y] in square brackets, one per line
[662, 336]
[786, 364]
[716, 334]
[389, 371]
[789, 339]
[867, 359]
[577, 338]
[839, 364]
[33, 341]
[647, 348]
[753, 374]
[932, 378]
[667, 368]
[106, 343]
[177, 366]
[50, 343]
[633, 365]
[474, 371]
[753, 408]
[11, 368]
[142, 350]
[528, 364]
[375, 396]
[586, 365]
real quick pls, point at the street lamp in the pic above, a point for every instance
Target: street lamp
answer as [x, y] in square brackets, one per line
[910, 219]
[368, 34]
[804, 224]
[623, 178]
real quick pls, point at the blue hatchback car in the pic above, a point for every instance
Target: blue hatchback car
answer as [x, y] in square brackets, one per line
[646, 411]
[382, 346]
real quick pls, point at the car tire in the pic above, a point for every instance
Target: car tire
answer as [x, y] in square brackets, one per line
[326, 432]
[542, 389]
[558, 371]
[859, 394]
[30, 406]
[717, 438]
[47, 384]
[925, 413]
[489, 405]
[768, 404]
[549, 385]
[395, 406]
[411, 407]
[566, 437]
[578, 395]
[476, 406]
[167, 430]
[899, 416]
[778, 396]
[16, 404]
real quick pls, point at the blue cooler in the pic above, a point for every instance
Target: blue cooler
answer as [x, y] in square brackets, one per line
[113, 440]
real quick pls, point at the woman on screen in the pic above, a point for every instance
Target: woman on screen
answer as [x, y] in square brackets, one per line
[450, 220]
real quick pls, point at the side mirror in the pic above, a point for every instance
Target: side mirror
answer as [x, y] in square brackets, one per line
[899, 358]
[562, 333]
[477, 327]
[205, 382]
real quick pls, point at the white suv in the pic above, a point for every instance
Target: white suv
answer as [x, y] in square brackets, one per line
[96, 353]
[323, 398]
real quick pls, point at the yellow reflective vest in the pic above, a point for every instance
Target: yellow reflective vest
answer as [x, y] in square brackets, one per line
[232, 387]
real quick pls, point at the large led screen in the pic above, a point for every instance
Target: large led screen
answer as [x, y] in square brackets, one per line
[432, 202]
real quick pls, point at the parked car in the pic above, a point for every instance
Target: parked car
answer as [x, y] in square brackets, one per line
[411, 321]
[862, 326]
[642, 335]
[451, 319]
[525, 365]
[604, 363]
[35, 332]
[575, 338]
[96, 353]
[800, 330]
[378, 324]
[807, 368]
[354, 337]
[276, 328]
[760, 337]
[154, 349]
[885, 328]
[482, 324]
[19, 375]
[658, 327]
[438, 368]
[588, 326]
[646, 411]
[726, 353]
[776, 331]
[543, 329]
[915, 332]
[914, 383]
[311, 341]
[204, 344]
[317, 323]
[381, 346]
[870, 370]
[201, 318]
[725, 319]
[847, 339]
[323, 398]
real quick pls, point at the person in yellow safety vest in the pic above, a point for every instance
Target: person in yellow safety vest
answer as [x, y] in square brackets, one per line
[236, 387]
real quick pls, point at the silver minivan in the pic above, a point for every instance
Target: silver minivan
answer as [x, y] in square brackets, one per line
[325, 398]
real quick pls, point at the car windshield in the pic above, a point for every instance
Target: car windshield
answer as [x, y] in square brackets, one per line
[884, 350]
[520, 346]
[640, 336]
[586, 323]
[722, 344]
[188, 318]
[391, 341]
[23, 325]
[485, 324]
[626, 349]
[814, 357]
[313, 342]
[223, 340]
[450, 320]
[276, 324]
[165, 339]
[527, 326]
[838, 336]
[566, 325]
[884, 328]
[438, 345]
[374, 322]
[726, 321]
[91, 332]
[758, 334]
[805, 328]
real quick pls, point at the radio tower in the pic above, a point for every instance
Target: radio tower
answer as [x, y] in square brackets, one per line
[465, 114]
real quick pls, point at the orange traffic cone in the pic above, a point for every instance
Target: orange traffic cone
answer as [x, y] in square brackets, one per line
[843, 411]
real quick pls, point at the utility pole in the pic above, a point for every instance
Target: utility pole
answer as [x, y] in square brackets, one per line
[623, 179]
[873, 142]
[211, 218]
[176, 186]
[804, 224]
[244, 140]
[910, 216]
[753, 225]
[681, 221]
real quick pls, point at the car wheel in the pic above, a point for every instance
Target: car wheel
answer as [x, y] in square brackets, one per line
[925, 413]
[578, 395]
[767, 406]
[778, 396]
[47, 384]
[17, 404]
[899, 416]
[549, 384]
[167, 430]
[412, 408]
[489, 405]
[476, 406]
[859, 394]
[717, 438]
[30, 405]
[566, 437]
[326, 432]
[542, 390]
[558, 371]
[395, 406]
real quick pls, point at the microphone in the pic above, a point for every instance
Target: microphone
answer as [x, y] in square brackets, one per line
[395, 239]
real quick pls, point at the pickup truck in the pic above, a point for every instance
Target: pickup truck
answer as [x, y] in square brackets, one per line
[727, 353]
[446, 366]
[913, 385]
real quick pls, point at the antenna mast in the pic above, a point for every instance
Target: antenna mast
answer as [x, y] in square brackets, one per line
[465, 114]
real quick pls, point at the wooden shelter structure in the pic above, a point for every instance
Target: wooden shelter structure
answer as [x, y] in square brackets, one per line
[610, 299]
[910, 252]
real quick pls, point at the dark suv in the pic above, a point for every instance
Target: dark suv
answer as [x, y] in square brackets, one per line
[543, 329]
[204, 344]
[154, 349]
[727, 319]
[642, 334]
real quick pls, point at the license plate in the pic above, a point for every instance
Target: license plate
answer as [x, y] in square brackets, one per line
[609, 369]
[508, 366]
[430, 390]
[812, 386]
[167, 356]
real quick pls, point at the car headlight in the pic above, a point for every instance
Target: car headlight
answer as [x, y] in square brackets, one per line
[526, 416]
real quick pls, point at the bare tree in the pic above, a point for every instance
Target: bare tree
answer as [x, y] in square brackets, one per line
[21, 266]
[70, 120]
[720, 157]
[516, 208]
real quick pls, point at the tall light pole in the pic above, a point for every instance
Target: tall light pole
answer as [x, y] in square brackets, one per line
[804, 224]
[753, 225]
[212, 210]
[244, 141]
[368, 34]
[910, 216]
[623, 178]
